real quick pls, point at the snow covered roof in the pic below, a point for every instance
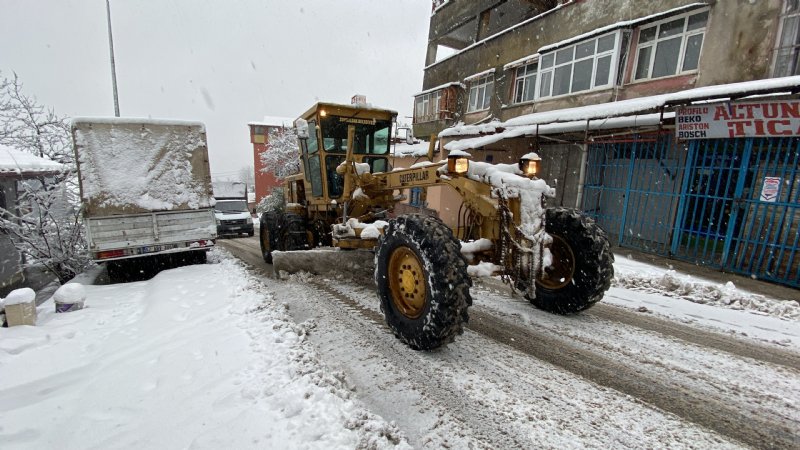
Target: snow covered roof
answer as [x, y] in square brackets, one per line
[17, 162]
[479, 74]
[639, 111]
[521, 61]
[274, 121]
[402, 149]
[441, 86]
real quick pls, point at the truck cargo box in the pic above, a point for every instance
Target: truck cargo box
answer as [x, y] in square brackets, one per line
[145, 186]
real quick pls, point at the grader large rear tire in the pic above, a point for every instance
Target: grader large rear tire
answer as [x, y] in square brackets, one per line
[422, 281]
[582, 266]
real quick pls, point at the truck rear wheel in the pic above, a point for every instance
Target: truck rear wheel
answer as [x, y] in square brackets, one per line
[582, 266]
[422, 281]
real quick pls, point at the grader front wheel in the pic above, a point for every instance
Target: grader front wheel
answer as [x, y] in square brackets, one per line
[582, 265]
[422, 281]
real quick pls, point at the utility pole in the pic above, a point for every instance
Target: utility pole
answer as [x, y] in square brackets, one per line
[113, 67]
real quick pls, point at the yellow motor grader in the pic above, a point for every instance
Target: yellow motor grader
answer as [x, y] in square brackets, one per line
[345, 197]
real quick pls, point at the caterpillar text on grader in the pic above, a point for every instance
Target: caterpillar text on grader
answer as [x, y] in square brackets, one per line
[345, 195]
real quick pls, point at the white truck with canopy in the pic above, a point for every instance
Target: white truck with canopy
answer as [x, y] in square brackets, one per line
[145, 188]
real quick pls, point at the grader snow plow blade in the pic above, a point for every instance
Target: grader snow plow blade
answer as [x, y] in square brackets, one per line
[325, 261]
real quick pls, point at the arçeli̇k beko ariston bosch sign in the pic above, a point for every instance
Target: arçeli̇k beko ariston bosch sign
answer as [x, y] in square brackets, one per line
[733, 120]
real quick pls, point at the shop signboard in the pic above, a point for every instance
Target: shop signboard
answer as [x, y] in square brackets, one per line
[738, 119]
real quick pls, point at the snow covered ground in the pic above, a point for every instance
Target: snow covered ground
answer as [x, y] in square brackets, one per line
[206, 357]
[721, 307]
[194, 358]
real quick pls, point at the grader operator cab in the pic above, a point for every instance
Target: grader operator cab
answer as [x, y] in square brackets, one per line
[345, 196]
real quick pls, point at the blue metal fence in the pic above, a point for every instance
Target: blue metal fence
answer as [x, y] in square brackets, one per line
[632, 189]
[733, 204]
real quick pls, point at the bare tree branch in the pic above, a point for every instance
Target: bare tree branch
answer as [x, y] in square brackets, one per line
[44, 224]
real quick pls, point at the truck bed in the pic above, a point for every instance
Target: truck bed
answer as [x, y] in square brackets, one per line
[126, 236]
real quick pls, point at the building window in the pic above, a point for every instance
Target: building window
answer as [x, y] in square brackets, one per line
[426, 107]
[788, 49]
[580, 67]
[480, 93]
[525, 83]
[670, 47]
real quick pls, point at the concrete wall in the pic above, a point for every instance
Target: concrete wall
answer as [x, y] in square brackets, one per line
[737, 46]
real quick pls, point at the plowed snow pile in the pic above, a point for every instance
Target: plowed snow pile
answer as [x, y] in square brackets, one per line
[195, 357]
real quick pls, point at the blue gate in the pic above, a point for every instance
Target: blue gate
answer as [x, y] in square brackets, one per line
[741, 207]
[632, 189]
[733, 204]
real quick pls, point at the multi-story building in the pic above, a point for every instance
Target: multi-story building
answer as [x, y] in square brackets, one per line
[674, 124]
[259, 137]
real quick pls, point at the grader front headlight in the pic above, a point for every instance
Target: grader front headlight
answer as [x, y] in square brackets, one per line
[529, 165]
[458, 163]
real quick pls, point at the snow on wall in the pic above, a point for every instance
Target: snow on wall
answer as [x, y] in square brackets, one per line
[129, 166]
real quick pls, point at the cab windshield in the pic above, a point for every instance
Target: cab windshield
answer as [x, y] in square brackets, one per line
[371, 137]
[230, 206]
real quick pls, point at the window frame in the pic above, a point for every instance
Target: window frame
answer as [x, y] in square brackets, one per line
[550, 71]
[786, 14]
[530, 76]
[431, 106]
[653, 45]
[483, 81]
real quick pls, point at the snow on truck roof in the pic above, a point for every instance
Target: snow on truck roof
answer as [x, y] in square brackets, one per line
[137, 120]
[13, 161]
[229, 189]
[142, 165]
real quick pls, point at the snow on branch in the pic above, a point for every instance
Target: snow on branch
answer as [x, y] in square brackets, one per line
[282, 155]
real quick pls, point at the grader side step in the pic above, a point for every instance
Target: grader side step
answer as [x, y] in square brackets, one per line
[325, 261]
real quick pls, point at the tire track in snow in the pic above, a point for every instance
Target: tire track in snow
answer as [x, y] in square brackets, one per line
[514, 389]
[694, 335]
[751, 427]
[670, 394]
[483, 423]
[697, 336]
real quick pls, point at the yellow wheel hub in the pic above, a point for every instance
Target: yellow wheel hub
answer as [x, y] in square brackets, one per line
[560, 273]
[407, 282]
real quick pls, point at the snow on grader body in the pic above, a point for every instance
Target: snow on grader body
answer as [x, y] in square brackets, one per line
[346, 191]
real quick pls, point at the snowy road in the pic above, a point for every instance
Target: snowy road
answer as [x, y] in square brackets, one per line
[520, 378]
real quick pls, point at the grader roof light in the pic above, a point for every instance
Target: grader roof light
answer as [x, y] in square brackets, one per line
[529, 164]
[458, 162]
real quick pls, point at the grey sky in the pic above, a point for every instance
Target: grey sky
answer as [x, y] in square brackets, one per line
[222, 62]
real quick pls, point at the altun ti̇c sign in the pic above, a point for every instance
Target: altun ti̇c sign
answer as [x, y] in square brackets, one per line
[733, 120]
